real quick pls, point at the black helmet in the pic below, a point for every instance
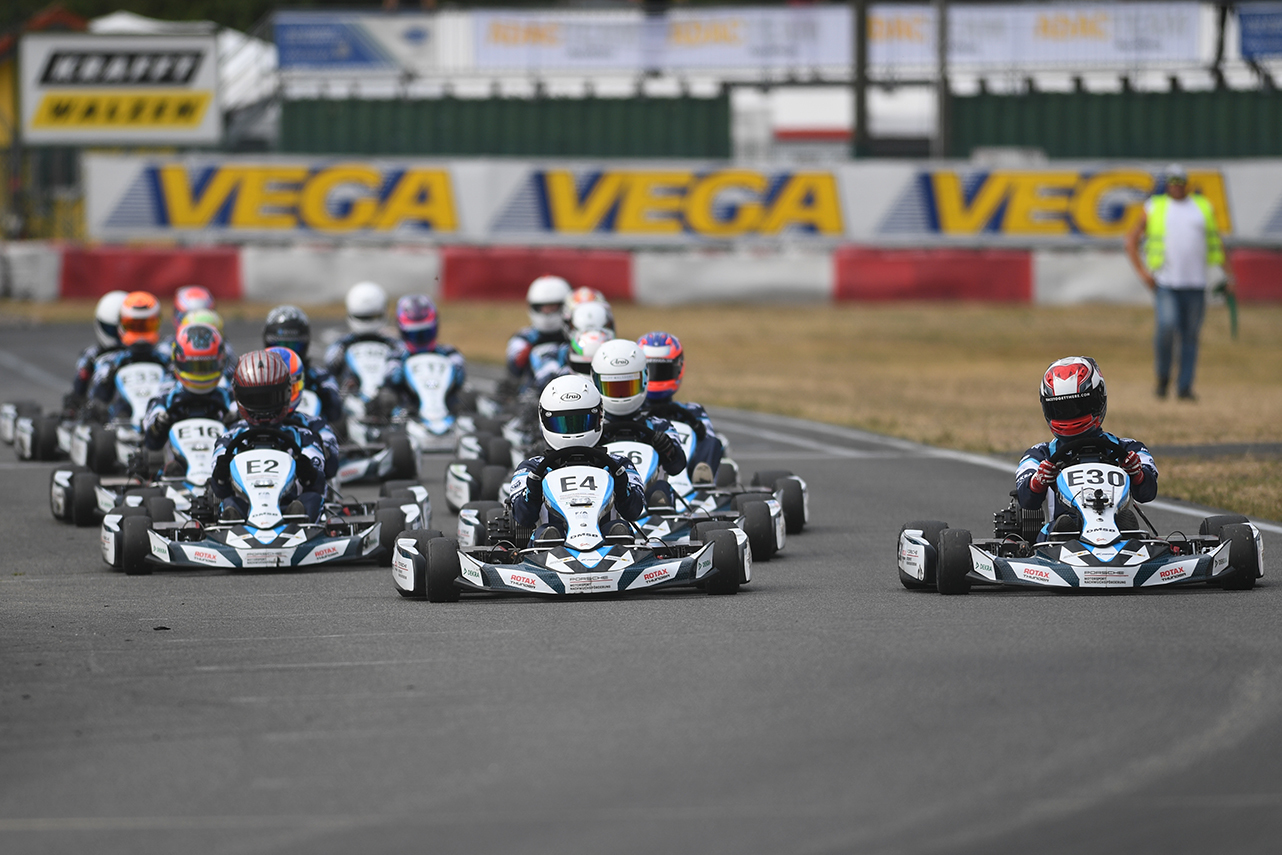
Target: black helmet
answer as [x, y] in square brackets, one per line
[288, 326]
[262, 387]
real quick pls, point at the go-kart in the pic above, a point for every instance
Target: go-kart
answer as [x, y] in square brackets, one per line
[82, 497]
[144, 533]
[1099, 546]
[586, 560]
[102, 448]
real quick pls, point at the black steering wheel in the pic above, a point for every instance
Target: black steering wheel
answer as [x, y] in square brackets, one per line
[588, 456]
[1069, 452]
[635, 431]
[263, 437]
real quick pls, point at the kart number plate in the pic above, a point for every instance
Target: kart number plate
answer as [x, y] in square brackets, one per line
[266, 558]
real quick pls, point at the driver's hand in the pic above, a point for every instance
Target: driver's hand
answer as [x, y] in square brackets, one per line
[222, 469]
[307, 469]
[663, 445]
[1045, 476]
[1131, 463]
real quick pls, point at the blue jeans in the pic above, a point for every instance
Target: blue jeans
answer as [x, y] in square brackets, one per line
[1179, 312]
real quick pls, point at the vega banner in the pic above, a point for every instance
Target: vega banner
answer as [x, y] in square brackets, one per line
[86, 89]
[639, 204]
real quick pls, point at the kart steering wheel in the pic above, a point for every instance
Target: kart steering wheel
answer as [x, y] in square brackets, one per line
[591, 456]
[637, 431]
[262, 437]
[1071, 451]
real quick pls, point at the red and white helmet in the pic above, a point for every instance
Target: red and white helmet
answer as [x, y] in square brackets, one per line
[1074, 398]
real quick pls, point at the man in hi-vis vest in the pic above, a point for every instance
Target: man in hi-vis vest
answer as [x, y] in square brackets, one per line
[1180, 241]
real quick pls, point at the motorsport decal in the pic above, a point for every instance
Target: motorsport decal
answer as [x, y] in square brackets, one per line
[1036, 203]
[726, 203]
[343, 198]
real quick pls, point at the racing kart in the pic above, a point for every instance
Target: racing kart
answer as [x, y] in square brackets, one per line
[1099, 546]
[586, 560]
[146, 532]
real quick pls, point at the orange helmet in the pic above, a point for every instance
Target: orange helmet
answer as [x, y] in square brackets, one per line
[139, 319]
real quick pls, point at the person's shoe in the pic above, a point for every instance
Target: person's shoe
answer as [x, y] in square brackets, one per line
[1186, 395]
[1160, 391]
[296, 509]
[702, 474]
[228, 512]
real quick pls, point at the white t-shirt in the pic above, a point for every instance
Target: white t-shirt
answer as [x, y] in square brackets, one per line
[1184, 261]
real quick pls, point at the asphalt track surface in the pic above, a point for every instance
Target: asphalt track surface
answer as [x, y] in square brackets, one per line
[822, 710]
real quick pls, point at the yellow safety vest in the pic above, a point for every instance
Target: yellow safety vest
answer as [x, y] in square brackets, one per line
[1155, 236]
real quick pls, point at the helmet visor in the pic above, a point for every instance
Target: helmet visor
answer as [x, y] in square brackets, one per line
[420, 339]
[572, 421]
[663, 371]
[546, 308]
[201, 367]
[140, 326]
[621, 385]
[1069, 407]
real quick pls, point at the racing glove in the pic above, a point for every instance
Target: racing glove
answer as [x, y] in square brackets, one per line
[619, 472]
[308, 470]
[160, 424]
[1131, 463]
[534, 484]
[1043, 477]
[669, 452]
[222, 469]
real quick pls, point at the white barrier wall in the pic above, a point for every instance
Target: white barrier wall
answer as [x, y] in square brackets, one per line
[671, 278]
[33, 270]
[322, 273]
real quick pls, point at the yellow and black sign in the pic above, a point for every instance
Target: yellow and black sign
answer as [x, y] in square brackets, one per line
[95, 109]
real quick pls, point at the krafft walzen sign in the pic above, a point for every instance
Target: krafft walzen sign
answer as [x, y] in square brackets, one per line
[119, 89]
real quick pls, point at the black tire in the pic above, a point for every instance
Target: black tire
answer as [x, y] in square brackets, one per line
[954, 562]
[760, 529]
[404, 458]
[702, 530]
[793, 501]
[1214, 524]
[135, 545]
[482, 508]
[44, 437]
[493, 477]
[485, 424]
[101, 455]
[1243, 557]
[394, 501]
[160, 509]
[930, 531]
[442, 570]
[393, 523]
[727, 475]
[145, 493]
[83, 501]
[768, 477]
[498, 452]
[725, 557]
[389, 488]
[467, 401]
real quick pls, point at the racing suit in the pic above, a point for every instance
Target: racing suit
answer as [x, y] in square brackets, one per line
[528, 507]
[320, 427]
[708, 447]
[1142, 490]
[85, 366]
[522, 344]
[175, 403]
[547, 362]
[336, 354]
[103, 386]
[318, 380]
[309, 480]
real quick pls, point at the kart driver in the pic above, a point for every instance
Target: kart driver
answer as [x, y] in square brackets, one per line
[262, 389]
[1074, 401]
[211, 318]
[665, 361]
[416, 318]
[571, 417]
[106, 328]
[544, 297]
[289, 326]
[139, 336]
[316, 424]
[366, 318]
[196, 392]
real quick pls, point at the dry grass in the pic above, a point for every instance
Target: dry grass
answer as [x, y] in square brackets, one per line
[954, 375]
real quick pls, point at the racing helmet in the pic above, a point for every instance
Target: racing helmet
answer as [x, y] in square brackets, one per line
[544, 298]
[570, 413]
[1074, 398]
[416, 317]
[189, 298]
[619, 372]
[578, 297]
[197, 357]
[139, 319]
[590, 316]
[366, 307]
[666, 362]
[294, 363]
[203, 316]
[262, 387]
[584, 346]
[106, 318]
[288, 326]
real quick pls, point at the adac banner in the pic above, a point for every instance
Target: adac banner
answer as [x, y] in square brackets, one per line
[81, 89]
[651, 203]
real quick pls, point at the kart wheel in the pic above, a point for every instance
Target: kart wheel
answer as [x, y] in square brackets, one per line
[930, 531]
[392, 521]
[498, 452]
[83, 501]
[135, 545]
[725, 557]
[395, 501]
[389, 488]
[160, 509]
[702, 530]
[418, 577]
[727, 474]
[1243, 557]
[44, 437]
[1213, 525]
[760, 529]
[485, 424]
[467, 401]
[493, 477]
[442, 570]
[768, 477]
[101, 455]
[145, 493]
[793, 500]
[954, 562]
[404, 458]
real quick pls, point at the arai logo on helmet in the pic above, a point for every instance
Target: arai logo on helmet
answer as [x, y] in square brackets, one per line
[571, 396]
[619, 362]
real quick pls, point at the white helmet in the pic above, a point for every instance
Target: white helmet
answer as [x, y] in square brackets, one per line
[106, 318]
[545, 296]
[584, 346]
[619, 372]
[590, 316]
[366, 307]
[570, 413]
